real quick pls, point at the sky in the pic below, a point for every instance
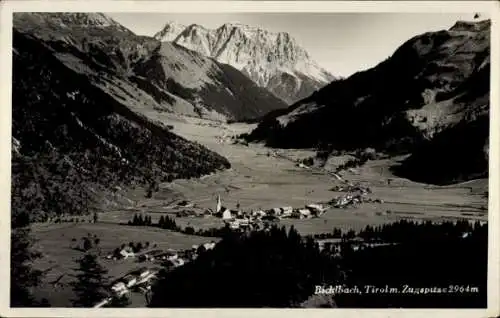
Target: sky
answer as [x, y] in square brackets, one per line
[342, 43]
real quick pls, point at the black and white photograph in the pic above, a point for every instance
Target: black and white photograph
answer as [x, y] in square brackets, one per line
[249, 159]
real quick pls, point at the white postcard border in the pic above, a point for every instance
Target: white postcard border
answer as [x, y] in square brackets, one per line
[8, 7]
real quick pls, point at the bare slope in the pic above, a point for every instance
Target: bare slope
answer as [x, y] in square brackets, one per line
[432, 90]
[116, 60]
[209, 86]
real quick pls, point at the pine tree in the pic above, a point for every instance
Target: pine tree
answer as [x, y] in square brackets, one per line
[23, 276]
[91, 282]
[138, 247]
[87, 244]
[149, 193]
[161, 222]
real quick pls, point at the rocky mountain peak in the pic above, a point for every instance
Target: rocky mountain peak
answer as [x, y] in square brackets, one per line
[83, 19]
[69, 21]
[170, 31]
[429, 100]
[273, 60]
[471, 26]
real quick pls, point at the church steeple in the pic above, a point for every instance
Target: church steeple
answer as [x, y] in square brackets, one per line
[219, 205]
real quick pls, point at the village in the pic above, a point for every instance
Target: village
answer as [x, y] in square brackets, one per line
[200, 211]
[237, 219]
[141, 279]
[151, 259]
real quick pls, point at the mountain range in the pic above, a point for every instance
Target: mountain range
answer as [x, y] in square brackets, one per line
[429, 99]
[149, 76]
[84, 111]
[87, 95]
[273, 60]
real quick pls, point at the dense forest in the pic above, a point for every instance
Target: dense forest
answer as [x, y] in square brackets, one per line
[168, 223]
[265, 269]
[72, 141]
[23, 276]
[277, 268]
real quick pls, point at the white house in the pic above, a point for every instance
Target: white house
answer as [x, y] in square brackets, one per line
[259, 213]
[119, 289]
[234, 225]
[178, 262]
[276, 211]
[286, 211]
[226, 215]
[144, 274]
[125, 253]
[130, 281]
[209, 246]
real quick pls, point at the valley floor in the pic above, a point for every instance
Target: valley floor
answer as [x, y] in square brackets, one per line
[256, 180]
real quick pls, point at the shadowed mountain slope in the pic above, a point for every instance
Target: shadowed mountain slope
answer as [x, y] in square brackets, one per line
[75, 143]
[149, 77]
[431, 91]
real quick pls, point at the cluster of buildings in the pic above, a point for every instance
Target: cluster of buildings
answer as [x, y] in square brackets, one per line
[142, 277]
[123, 253]
[237, 219]
[348, 187]
[347, 200]
[168, 257]
[171, 258]
[158, 255]
[355, 194]
[352, 199]
[335, 245]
